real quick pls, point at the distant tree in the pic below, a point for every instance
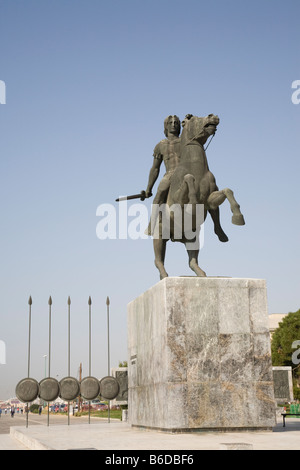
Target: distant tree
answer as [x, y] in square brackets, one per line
[287, 333]
[123, 364]
[34, 408]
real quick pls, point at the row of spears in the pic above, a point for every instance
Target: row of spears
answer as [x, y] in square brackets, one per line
[69, 388]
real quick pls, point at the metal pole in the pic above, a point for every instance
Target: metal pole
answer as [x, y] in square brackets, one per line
[90, 348]
[45, 375]
[69, 336]
[29, 335]
[45, 357]
[69, 349]
[90, 336]
[29, 347]
[108, 351]
[49, 358]
[80, 378]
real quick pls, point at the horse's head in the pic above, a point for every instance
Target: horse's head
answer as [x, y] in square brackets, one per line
[199, 128]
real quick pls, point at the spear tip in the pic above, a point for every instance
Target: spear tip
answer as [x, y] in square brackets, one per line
[69, 300]
[30, 301]
[107, 301]
[50, 300]
[90, 301]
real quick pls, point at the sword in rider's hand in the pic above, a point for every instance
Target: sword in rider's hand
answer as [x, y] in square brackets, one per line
[142, 196]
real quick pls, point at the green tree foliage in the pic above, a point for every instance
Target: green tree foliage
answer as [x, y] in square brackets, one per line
[34, 408]
[283, 338]
[123, 364]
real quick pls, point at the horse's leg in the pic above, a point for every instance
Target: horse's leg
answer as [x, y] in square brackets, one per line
[186, 189]
[237, 217]
[159, 245]
[193, 263]
[190, 181]
[216, 198]
[215, 215]
[210, 181]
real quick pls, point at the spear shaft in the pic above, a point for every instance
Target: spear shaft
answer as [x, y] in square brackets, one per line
[29, 335]
[69, 350]
[29, 347]
[108, 351]
[49, 358]
[90, 348]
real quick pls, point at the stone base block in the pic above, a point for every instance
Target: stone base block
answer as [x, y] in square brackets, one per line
[236, 446]
[199, 356]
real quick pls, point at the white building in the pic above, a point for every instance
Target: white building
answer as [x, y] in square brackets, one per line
[274, 320]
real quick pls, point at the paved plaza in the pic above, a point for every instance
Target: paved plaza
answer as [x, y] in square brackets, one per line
[101, 435]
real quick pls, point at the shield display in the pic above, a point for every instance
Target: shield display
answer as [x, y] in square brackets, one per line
[49, 389]
[69, 388]
[109, 388]
[27, 390]
[89, 388]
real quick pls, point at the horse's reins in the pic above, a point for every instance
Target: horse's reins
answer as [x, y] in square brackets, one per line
[209, 142]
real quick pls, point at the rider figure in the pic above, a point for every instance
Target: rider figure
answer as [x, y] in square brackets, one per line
[167, 151]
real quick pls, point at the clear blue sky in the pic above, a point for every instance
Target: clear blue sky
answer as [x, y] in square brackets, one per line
[89, 83]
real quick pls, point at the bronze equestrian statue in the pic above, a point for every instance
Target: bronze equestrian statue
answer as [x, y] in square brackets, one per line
[187, 184]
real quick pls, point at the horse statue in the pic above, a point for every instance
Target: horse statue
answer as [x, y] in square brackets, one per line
[193, 185]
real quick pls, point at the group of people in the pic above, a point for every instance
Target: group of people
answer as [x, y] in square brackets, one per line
[12, 411]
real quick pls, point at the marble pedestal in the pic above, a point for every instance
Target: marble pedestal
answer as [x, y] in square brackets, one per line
[199, 356]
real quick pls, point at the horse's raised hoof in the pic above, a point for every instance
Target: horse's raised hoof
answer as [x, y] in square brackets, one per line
[238, 219]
